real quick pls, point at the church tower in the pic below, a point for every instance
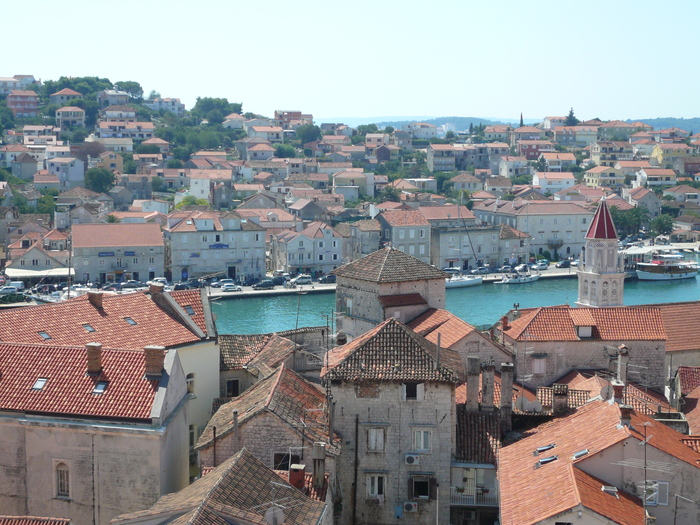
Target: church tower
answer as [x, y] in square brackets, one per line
[600, 276]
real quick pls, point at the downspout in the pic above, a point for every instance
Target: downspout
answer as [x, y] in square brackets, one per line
[354, 483]
[214, 446]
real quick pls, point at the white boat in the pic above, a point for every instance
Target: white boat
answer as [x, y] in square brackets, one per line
[519, 278]
[667, 267]
[460, 281]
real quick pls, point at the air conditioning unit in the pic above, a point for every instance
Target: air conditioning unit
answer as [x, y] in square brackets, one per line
[410, 506]
[412, 459]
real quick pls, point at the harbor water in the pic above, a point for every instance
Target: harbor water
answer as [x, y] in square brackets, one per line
[477, 305]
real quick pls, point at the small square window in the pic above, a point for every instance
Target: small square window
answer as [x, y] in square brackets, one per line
[189, 310]
[89, 328]
[100, 387]
[39, 383]
[130, 321]
[45, 335]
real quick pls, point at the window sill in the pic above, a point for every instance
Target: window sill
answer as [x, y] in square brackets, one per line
[63, 498]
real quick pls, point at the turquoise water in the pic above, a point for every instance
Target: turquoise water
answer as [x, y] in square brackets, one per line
[477, 305]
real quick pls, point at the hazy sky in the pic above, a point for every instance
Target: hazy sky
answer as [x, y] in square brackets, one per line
[609, 59]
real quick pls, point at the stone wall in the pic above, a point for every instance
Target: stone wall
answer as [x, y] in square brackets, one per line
[380, 405]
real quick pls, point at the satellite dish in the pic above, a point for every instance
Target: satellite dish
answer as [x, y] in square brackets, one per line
[521, 404]
[274, 516]
[535, 406]
[606, 392]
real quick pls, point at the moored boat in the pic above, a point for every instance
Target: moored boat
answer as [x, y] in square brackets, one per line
[519, 278]
[460, 281]
[667, 267]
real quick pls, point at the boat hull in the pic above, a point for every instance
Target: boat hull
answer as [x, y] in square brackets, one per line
[462, 282]
[520, 279]
[644, 275]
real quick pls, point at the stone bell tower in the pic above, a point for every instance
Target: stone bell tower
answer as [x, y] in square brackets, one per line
[600, 276]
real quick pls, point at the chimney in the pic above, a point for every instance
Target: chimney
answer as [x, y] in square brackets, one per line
[618, 390]
[625, 415]
[236, 433]
[473, 371]
[487, 387]
[296, 475]
[341, 339]
[154, 358]
[504, 323]
[623, 357]
[319, 457]
[95, 299]
[560, 397]
[155, 287]
[94, 358]
[331, 417]
[437, 359]
[506, 397]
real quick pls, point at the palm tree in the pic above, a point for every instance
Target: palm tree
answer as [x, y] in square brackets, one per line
[662, 225]
[112, 218]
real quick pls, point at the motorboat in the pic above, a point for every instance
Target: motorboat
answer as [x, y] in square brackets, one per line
[519, 278]
[667, 267]
[460, 281]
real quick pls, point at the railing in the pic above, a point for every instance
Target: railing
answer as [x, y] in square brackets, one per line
[472, 496]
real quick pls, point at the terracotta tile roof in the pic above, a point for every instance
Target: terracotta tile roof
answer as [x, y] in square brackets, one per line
[693, 442]
[389, 265]
[689, 378]
[286, 395]
[446, 212]
[602, 225]
[400, 218]
[557, 486]
[31, 520]
[451, 328]
[466, 177]
[558, 323]
[66, 323]
[319, 494]
[409, 299]
[682, 324]
[69, 389]
[192, 299]
[623, 509]
[574, 399]
[391, 352]
[265, 350]
[118, 234]
[478, 436]
[239, 490]
[519, 390]
[368, 225]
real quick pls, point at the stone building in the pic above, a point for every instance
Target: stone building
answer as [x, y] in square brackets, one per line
[394, 395]
[386, 283]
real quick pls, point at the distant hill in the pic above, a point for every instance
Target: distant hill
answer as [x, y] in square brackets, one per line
[686, 124]
[460, 123]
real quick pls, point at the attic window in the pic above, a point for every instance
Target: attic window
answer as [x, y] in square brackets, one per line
[44, 335]
[545, 448]
[130, 321]
[580, 454]
[39, 384]
[609, 489]
[100, 387]
[546, 460]
[88, 328]
[189, 310]
[189, 222]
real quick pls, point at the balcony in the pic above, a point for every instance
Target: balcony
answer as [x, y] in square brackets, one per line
[119, 266]
[472, 496]
[555, 243]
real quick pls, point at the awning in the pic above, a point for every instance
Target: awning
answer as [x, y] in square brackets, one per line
[21, 273]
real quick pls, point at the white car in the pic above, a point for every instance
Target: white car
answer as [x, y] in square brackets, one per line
[302, 279]
[229, 287]
[541, 265]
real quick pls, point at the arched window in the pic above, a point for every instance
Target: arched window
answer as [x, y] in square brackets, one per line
[62, 481]
[190, 383]
[568, 250]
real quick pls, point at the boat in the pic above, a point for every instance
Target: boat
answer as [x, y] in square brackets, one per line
[519, 278]
[667, 267]
[460, 281]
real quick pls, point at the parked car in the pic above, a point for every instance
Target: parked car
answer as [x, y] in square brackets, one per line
[330, 278]
[302, 279]
[506, 268]
[566, 263]
[451, 270]
[266, 284]
[575, 262]
[222, 282]
[251, 281]
[522, 268]
[230, 287]
[480, 270]
[541, 265]
[279, 280]
[181, 286]
[5, 290]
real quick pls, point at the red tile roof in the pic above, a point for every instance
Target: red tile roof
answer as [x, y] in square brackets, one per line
[399, 218]
[31, 520]
[558, 323]
[689, 378]
[478, 436]
[682, 324]
[69, 389]
[118, 234]
[192, 299]
[389, 265]
[623, 508]
[66, 323]
[518, 391]
[409, 299]
[602, 225]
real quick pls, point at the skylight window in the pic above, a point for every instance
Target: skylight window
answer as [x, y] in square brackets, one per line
[545, 448]
[189, 310]
[100, 387]
[580, 453]
[609, 489]
[546, 460]
[130, 321]
[89, 328]
[39, 384]
[44, 335]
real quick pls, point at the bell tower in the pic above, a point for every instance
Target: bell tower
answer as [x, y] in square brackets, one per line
[601, 278]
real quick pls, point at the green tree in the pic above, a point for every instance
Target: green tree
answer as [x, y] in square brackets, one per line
[79, 135]
[215, 116]
[22, 203]
[129, 167]
[153, 95]
[174, 164]
[308, 133]
[367, 128]
[157, 184]
[46, 203]
[662, 225]
[283, 151]
[147, 149]
[541, 164]
[389, 130]
[112, 219]
[450, 135]
[134, 89]
[100, 180]
[191, 200]
[390, 193]
[571, 120]
[206, 104]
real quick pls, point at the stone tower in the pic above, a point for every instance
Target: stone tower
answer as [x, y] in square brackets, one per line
[600, 275]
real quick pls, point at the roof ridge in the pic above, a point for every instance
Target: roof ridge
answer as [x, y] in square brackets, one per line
[273, 390]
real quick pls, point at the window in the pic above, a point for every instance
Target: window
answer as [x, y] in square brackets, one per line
[89, 328]
[320, 257]
[151, 260]
[421, 233]
[656, 492]
[193, 436]
[232, 388]
[421, 440]
[375, 439]
[402, 234]
[422, 487]
[190, 383]
[39, 383]
[62, 481]
[335, 256]
[282, 461]
[100, 387]
[539, 366]
[102, 262]
[413, 391]
[44, 335]
[320, 244]
[375, 485]
[130, 321]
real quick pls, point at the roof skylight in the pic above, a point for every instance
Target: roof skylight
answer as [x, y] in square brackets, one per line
[545, 448]
[546, 460]
[44, 335]
[189, 309]
[100, 387]
[89, 328]
[39, 383]
[130, 321]
[580, 453]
